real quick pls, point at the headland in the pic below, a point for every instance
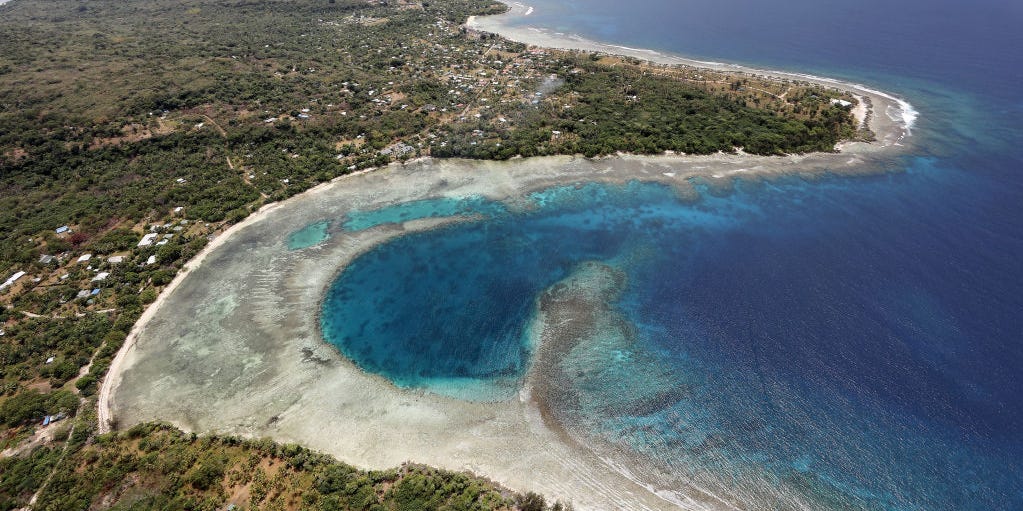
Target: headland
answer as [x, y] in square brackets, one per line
[890, 117]
[234, 345]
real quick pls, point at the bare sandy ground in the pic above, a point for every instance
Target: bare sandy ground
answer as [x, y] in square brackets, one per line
[233, 344]
[113, 377]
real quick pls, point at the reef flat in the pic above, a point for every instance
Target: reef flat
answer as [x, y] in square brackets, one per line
[234, 346]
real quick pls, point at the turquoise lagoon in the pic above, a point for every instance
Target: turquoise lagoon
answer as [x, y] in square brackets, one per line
[837, 343]
[763, 323]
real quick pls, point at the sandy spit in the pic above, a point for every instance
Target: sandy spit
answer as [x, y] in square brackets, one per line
[892, 127]
[233, 345]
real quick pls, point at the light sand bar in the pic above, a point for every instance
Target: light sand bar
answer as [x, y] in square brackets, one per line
[233, 345]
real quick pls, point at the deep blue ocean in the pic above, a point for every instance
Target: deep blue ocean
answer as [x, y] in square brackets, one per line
[853, 343]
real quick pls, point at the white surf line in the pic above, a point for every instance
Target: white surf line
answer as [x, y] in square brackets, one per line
[719, 175]
[626, 48]
[906, 114]
[672, 496]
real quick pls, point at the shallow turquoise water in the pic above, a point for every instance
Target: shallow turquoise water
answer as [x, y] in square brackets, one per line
[854, 343]
[428, 208]
[308, 236]
[406, 327]
[767, 322]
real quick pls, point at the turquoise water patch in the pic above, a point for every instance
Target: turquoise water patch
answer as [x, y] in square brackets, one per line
[428, 208]
[450, 307]
[774, 337]
[312, 234]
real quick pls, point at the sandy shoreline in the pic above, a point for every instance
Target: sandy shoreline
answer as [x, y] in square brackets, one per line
[891, 128]
[235, 346]
[232, 345]
[113, 377]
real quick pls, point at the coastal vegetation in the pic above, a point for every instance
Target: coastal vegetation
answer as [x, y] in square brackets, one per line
[154, 466]
[133, 133]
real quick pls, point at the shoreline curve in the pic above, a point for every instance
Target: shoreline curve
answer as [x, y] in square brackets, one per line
[235, 348]
[891, 129]
[563, 471]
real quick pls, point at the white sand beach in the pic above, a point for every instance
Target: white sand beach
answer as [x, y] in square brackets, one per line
[894, 123]
[234, 347]
[233, 344]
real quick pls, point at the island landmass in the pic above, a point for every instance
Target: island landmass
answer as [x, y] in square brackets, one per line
[134, 134]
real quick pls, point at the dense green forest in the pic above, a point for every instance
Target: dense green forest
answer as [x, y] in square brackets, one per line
[177, 118]
[154, 466]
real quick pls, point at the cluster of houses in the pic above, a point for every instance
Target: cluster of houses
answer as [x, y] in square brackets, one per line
[152, 238]
[476, 80]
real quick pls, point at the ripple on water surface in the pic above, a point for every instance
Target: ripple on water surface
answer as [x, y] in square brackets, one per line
[427, 208]
[761, 344]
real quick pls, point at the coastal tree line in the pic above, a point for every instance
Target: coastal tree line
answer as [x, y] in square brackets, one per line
[113, 115]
